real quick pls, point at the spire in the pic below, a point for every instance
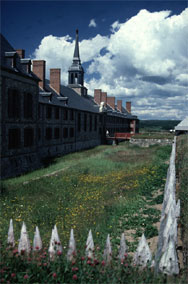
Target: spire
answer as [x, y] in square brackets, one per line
[76, 71]
[76, 50]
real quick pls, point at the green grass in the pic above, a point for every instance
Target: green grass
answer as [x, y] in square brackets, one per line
[92, 184]
[157, 125]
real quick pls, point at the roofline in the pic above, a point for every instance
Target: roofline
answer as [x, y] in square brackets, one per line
[19, 73]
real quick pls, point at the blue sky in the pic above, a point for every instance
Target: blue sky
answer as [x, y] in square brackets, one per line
[125, 47]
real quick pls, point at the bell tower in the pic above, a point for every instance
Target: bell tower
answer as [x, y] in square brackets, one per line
[76, 72]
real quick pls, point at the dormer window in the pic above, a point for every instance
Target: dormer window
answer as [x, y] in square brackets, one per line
[11, 58]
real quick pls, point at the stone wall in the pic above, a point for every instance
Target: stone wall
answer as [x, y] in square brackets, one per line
[149, 142]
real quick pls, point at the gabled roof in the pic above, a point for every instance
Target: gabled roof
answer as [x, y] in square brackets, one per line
[183, 125]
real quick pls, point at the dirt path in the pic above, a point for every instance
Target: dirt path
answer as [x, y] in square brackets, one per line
[46, 175]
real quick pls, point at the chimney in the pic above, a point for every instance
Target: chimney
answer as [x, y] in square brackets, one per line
[21, 53]
[104, 98]
[128, 106]
[97, 96]
[39, 70]
[119, 105]
[111, 102]
[55, 79]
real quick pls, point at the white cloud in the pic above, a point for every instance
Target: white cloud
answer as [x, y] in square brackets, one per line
[144, 60]
[92, 23]
[115, 26]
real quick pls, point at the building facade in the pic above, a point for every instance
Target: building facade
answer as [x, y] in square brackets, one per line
[41, 119]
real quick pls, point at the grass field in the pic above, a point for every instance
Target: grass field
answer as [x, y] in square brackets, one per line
[109, 189]
[157, 125]
[94, 189]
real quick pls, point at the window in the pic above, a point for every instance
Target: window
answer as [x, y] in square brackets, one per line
[85, 122]
[13, 103]
[71, 114]
[90, 123]
[56, 133]
[39, 133]
[79, 122]
[95, 123]
[48, 112]
[39, 111]
[72, 78]
[56, 113]
[65, 114]
[71, 132]
[49, 133]
[14, 138]
[28, 137]
[65, 132]
[28, 105]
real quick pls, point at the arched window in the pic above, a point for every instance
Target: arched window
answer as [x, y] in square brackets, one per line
[72, 78]
[76, 78]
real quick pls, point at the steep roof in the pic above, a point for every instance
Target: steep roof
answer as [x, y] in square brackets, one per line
[6, 51]
[76, 64]
[75, 101]
[183, 125]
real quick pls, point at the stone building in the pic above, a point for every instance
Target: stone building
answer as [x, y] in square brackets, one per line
[41, 119]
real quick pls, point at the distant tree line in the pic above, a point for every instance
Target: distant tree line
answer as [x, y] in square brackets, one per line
[158, 125]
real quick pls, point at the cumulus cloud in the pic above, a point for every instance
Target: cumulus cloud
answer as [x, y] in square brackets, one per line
[143, 59]
[92, 23]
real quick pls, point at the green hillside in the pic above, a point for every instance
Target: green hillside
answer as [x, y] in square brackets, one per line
[157, 125]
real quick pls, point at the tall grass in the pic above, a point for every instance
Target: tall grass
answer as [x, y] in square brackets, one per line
[107, 189]
[93, 190]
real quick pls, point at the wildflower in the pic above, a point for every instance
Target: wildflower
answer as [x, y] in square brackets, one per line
[59, 253]
[15, 251]
[44, 264]
[82, 258]
[103, 263]
[13, 275]
[26, 276]
[22, 252]
[74, 277]
[37, 248]
[126, 264]
[96, 262]
[73, 262]
[89, 262]
[54, 275]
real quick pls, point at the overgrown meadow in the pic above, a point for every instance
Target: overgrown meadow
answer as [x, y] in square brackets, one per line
[108, 189]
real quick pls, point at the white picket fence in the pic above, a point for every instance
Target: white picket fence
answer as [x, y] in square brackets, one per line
[166, 260]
